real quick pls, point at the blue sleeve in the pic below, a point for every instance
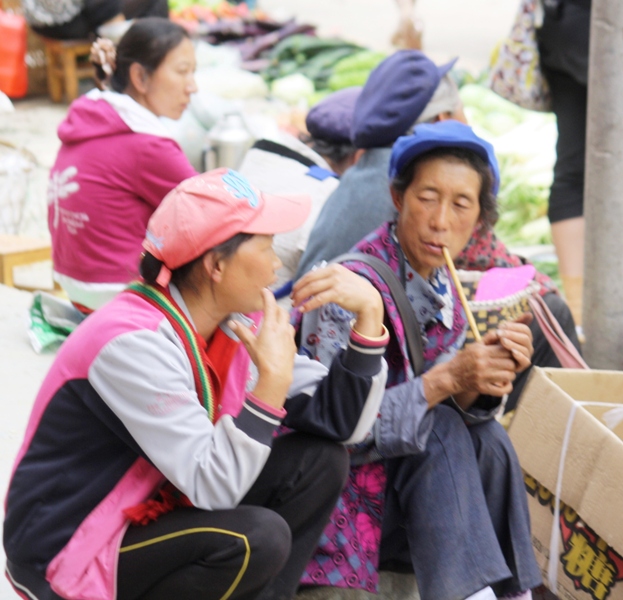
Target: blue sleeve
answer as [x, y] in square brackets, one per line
[405, 421]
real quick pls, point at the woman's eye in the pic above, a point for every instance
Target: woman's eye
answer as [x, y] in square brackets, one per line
[463, 203]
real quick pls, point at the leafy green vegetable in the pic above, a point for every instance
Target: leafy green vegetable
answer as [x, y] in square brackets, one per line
[524, 144]
[520, 204]
[363, 60]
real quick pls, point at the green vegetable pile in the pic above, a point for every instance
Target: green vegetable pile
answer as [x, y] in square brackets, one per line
[354, 69]
[329, 63]
[524, 142]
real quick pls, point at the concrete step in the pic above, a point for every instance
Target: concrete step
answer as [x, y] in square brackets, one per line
[392, 586]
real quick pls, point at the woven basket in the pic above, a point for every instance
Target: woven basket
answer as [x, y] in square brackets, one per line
[490, 313]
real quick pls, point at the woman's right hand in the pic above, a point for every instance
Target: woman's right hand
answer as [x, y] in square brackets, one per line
[272, 351]
[480, 368]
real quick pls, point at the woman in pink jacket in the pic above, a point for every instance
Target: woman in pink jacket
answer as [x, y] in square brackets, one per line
[117, 160]
[150, 469]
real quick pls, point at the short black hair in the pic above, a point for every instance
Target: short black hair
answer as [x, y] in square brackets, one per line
[486, 198]
[336, 152]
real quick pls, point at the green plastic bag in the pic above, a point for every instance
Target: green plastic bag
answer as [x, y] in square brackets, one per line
[51, 321]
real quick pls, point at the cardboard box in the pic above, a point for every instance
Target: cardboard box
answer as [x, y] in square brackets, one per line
[589, 558]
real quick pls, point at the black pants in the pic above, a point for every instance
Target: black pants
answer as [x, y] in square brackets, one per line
[543, 355]
[569, 100]
[257, 550]
[97, 12]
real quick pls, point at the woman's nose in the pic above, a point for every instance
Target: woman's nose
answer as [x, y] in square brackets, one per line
[440, 220]
[191, 87]
[277, 264]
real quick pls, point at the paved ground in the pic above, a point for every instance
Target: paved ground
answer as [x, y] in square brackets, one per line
[451, 28]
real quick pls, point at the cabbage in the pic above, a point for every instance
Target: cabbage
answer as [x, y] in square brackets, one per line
[524, 143]
[292, 88]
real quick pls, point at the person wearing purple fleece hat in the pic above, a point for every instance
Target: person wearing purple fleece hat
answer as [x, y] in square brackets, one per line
[311, 164]
[393, 98]
[362, 201]
[397, 92]
[329, 123]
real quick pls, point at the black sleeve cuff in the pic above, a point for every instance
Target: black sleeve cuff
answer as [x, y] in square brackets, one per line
[257, 422]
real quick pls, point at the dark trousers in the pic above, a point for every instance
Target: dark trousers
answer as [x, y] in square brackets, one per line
[543, 354]
[257, 550]
[569, 100]
[457, 513]
[97, 12]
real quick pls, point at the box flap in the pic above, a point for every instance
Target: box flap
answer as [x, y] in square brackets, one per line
[593, 476]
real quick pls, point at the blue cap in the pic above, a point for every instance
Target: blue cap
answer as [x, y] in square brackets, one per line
[331, 118]
[444, 134]
[394, 96]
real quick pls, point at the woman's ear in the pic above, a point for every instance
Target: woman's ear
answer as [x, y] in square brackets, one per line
[214, 267]
[396, 198]
[138, 77]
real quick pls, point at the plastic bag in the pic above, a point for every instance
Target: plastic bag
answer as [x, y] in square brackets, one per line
[51, 321]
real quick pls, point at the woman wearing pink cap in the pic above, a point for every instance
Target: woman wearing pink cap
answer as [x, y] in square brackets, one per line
[150, 468]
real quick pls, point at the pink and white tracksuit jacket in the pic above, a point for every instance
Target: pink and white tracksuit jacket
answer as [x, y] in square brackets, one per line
[118, 414]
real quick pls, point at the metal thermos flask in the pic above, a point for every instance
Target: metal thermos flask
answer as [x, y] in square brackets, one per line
[228, 142]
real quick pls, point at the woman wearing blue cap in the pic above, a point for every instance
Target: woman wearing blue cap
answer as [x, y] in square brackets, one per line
[438, 485]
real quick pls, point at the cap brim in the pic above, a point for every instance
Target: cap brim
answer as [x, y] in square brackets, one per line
[443, 69]
[280, 214]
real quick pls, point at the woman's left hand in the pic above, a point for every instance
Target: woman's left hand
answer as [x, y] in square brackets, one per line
[352, 292]
[516, 337]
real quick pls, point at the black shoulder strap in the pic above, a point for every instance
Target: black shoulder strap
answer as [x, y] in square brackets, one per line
[281, 150]
[407, 315]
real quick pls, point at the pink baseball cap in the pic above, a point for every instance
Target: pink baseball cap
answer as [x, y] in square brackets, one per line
[208, 209]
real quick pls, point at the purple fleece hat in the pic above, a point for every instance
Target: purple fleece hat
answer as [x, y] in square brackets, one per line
[332, 117]
[394, 96]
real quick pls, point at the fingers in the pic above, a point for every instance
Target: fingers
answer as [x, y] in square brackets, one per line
[497, 389]
[247, 337]
[270, 305]
[517, 338]
[336, 284]
[521, 354]
[515, 328]
[486, 369]
[491, 337]
[311, 285]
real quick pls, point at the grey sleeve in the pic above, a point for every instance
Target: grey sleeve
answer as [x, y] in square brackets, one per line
[146, 380]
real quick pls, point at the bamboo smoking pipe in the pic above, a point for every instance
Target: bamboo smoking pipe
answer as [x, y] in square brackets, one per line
[459, 289]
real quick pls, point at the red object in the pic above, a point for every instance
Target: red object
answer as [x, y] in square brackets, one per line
[13, 71]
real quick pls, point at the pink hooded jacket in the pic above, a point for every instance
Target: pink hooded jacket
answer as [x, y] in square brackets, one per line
[109, 176]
